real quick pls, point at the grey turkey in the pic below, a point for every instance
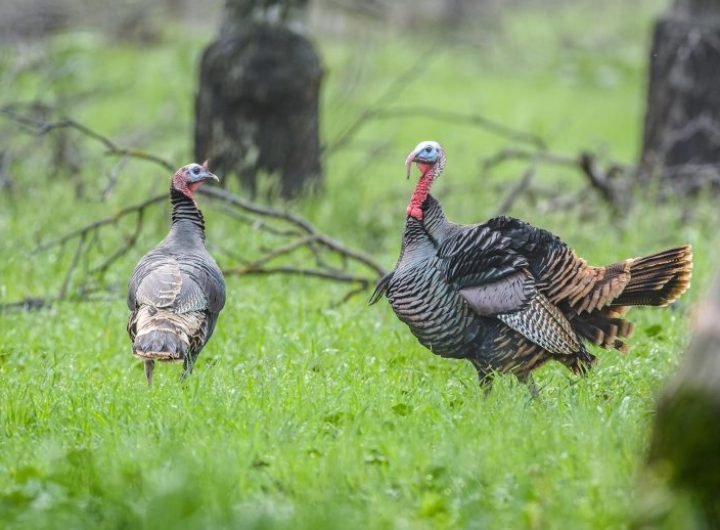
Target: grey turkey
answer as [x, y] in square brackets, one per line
[177, 290]
[508, 296]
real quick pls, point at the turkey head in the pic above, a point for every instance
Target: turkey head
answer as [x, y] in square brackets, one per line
[430, 159]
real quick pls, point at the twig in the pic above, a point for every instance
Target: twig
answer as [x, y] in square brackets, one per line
[112, 149]
[517, 190]
[281, 251]
[264, 211]
[142, 155]
[299, 222]
[112, 177]
[393, 89]
[258, 223]
[129, 244]
[350, 294]
[599, 181]
[538, 157]
[609, 190]
[71, 268]
[307, 235]
[341, 277]
[29, 303]
[81, 232]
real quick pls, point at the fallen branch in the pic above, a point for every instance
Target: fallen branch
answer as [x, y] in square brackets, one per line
[297, 271]
[597, 179]
[299, 222]
[292, 236]
[610, 188]
[537, 157]
[96, 225]
[40, 128]
[30, 303]
[517, 190]
[274, 222]
[473, 120]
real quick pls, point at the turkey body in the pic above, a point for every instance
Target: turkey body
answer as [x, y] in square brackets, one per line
[509, 297]
[176, 293]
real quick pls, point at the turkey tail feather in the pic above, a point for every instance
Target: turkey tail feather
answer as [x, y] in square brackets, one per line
[603, 327]
[167, 336]
[161, 345]
[658, 279]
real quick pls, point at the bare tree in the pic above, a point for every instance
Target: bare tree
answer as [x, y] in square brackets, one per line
[257, 102]
[681, 143]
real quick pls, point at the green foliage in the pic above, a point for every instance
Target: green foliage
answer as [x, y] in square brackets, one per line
[300, 416]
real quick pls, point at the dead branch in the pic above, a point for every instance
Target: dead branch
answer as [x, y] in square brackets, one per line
[112, 177]
[609, 187]
[350, 294]
[270, 255]
[29, 303]
[292, 235]
[299, 222]
[379, 110]
[473, 120]
[281, 224]
[257, 224]
[124, 249]
[41, 128]
[601, 182]
[96, 225]
[314, 273]
[392, 90]
[71, 269]
[517, 190]
[538, 157]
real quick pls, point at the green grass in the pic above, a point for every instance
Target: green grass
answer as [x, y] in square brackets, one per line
[301, 416]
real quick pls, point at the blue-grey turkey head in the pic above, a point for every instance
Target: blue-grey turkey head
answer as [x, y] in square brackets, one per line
[176, 290]
[508, 296]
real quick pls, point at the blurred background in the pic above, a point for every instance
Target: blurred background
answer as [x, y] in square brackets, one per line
[564, 111]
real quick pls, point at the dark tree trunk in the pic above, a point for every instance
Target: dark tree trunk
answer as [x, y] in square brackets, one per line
[681, 143]
[685, 448]
[257, 103]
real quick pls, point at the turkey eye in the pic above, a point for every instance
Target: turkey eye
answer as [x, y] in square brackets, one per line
[195, 171]
[428, 149]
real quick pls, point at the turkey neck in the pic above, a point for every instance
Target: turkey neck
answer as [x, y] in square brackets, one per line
[434, 225]
[187, 219]
[434, 220]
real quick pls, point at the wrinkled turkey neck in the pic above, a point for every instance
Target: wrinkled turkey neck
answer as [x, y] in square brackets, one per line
[185, 214]
[422, 189]
[434, 218]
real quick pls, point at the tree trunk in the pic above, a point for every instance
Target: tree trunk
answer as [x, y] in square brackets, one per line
[257, 104]
[685, 448]
[681, 142]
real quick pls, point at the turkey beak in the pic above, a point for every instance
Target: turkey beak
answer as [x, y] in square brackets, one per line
[205, 175]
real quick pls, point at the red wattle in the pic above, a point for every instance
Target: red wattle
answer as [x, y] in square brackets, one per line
[422, 189]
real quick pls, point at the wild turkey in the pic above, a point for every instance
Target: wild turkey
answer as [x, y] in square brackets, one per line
[176, 290]
[509, 297]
